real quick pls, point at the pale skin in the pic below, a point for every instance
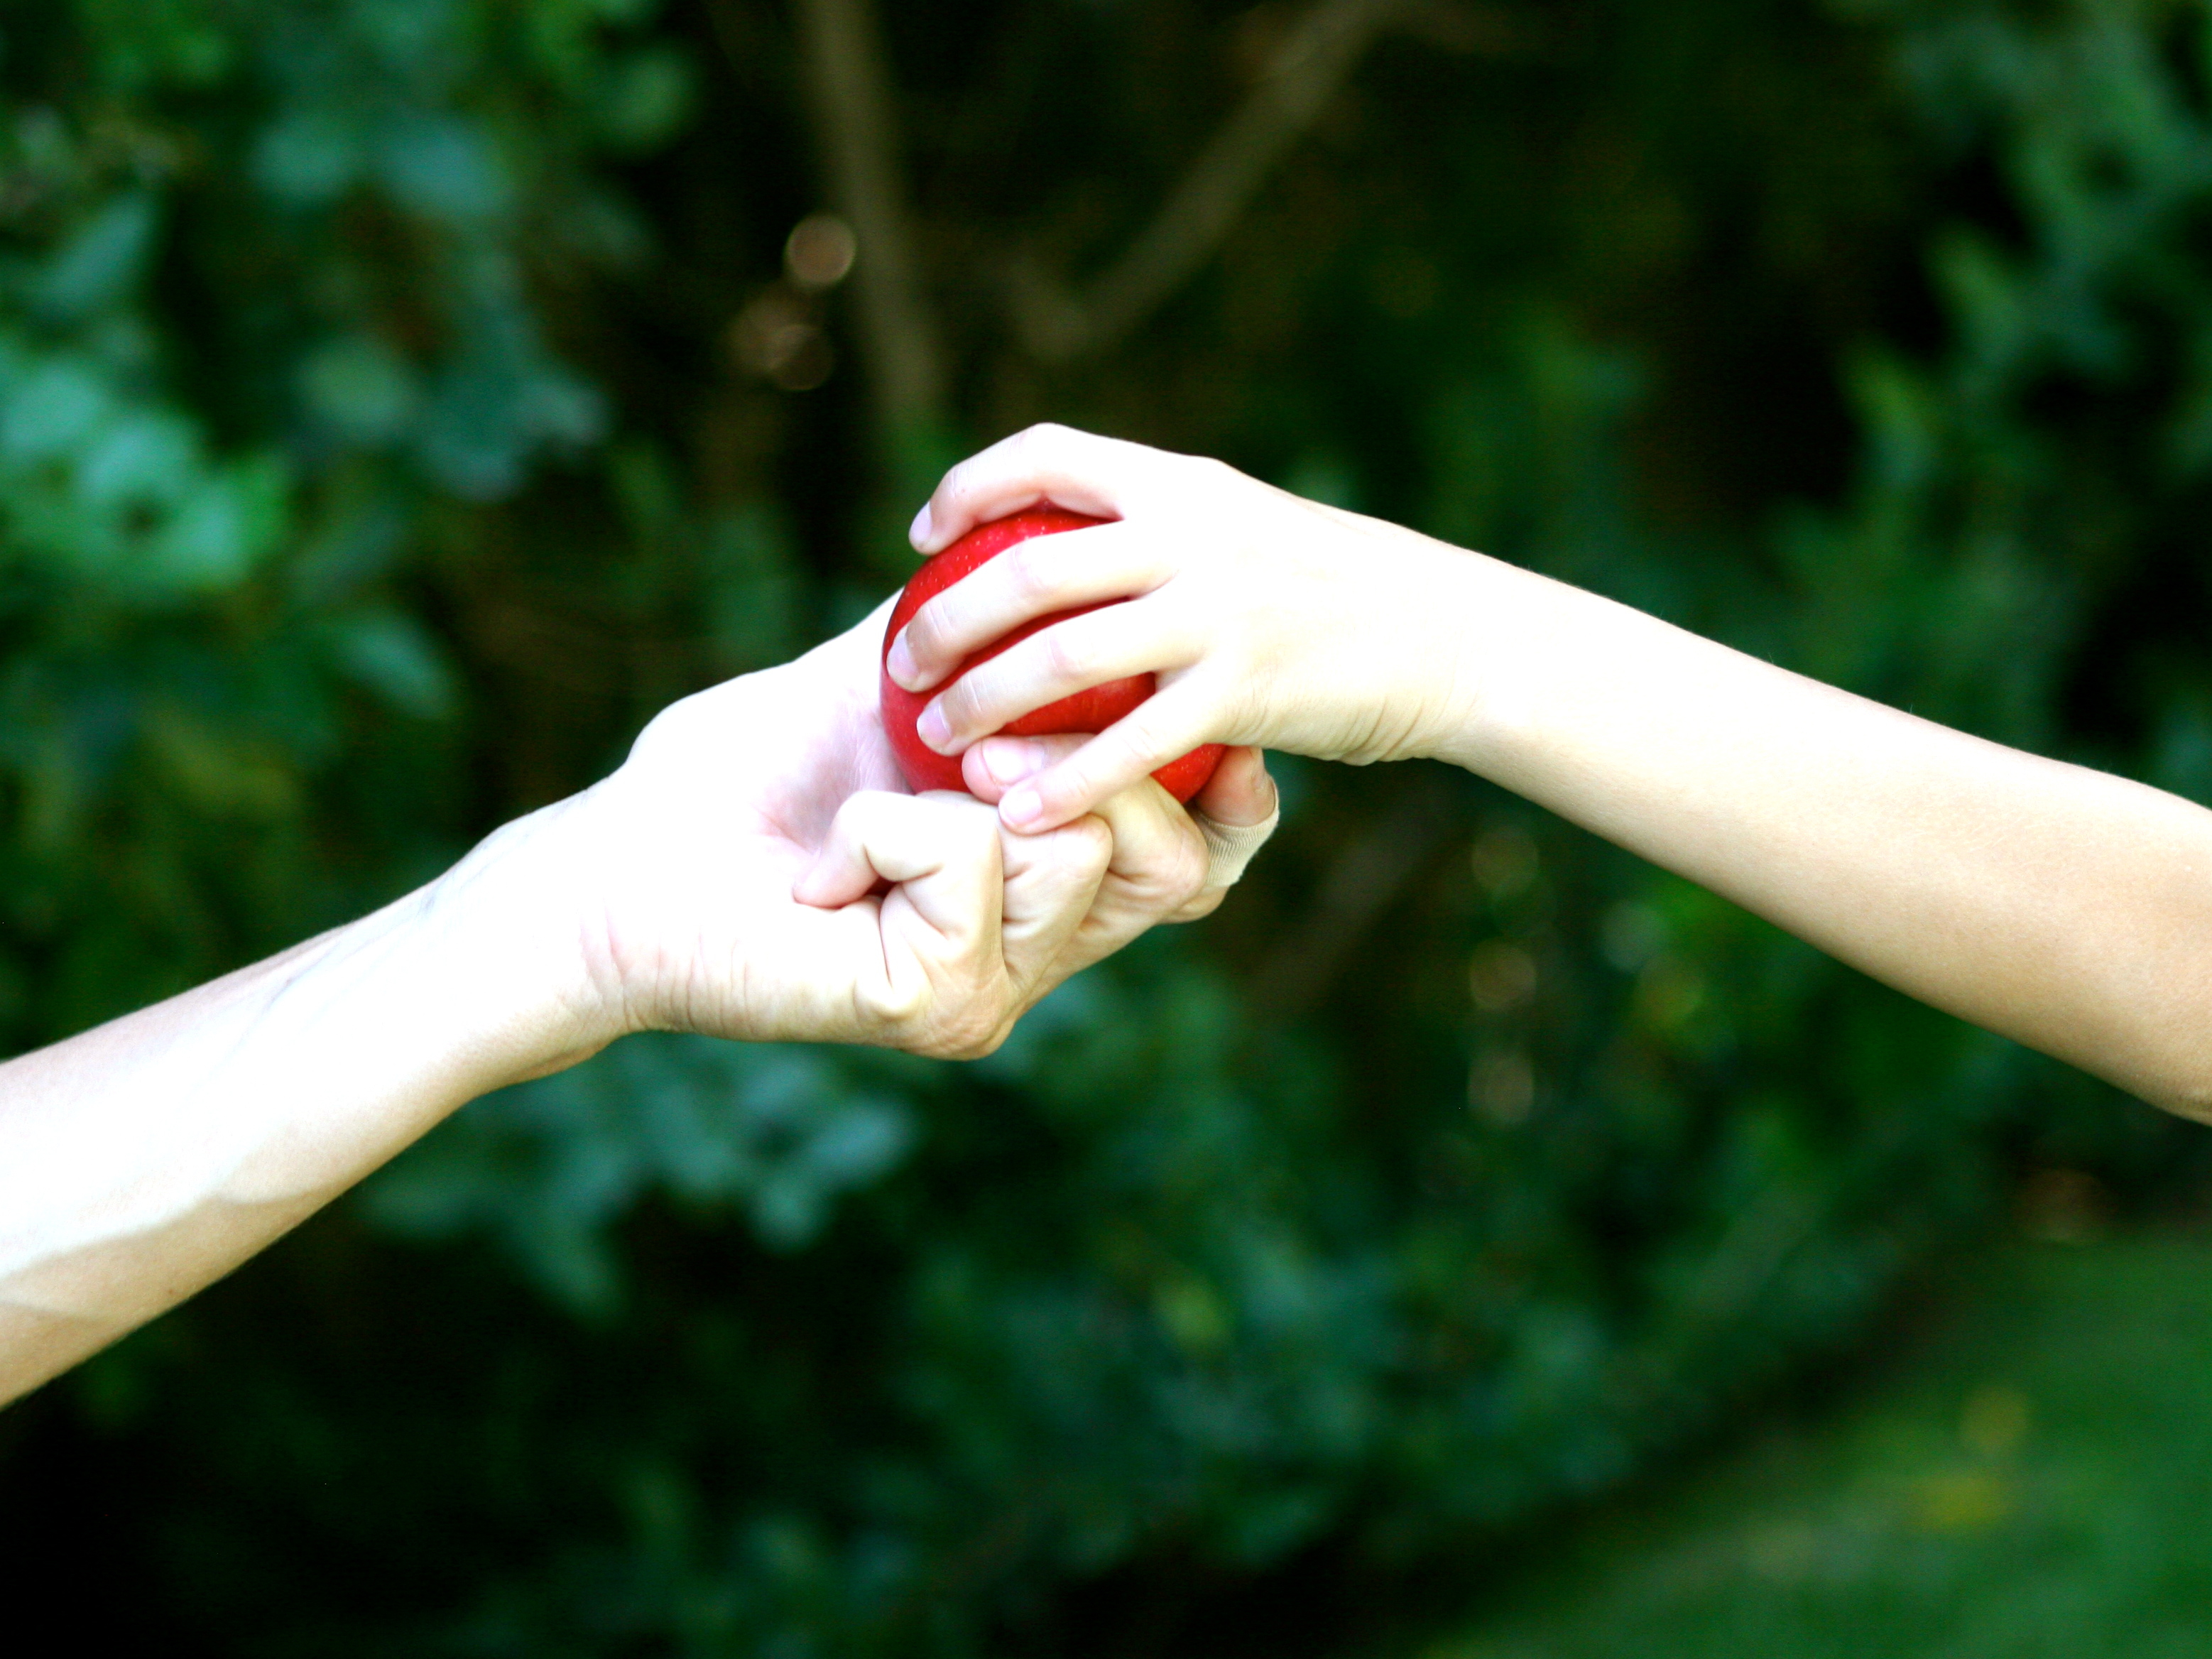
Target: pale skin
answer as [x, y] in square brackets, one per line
[755, 871]
[2065, 908]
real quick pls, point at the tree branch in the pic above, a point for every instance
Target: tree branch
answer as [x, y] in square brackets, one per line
[1315, 59]
[856, 131]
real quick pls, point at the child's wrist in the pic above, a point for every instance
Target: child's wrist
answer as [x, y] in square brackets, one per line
[1477, 669]
[1432, 642]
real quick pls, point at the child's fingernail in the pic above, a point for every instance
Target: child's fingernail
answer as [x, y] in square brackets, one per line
[919, 532]
[934, 730]
[1022, 808]
[900, 665]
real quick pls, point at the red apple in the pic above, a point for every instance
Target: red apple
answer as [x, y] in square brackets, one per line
[1093, 710]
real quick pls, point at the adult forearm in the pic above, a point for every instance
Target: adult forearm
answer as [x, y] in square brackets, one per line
[143, 1160]
[2065, 907]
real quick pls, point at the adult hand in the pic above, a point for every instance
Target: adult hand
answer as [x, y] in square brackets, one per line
[727, 879]
[754, 870]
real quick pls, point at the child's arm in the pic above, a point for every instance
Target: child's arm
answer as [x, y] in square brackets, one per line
[2062, 907]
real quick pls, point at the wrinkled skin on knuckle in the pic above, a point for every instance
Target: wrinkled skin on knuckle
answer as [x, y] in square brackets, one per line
[1093, 840]
[985, 1045]
[1204, 905]
[1167, 885]
[972, 1031]
[1070, 660]
[1184, 879]
[1029, 569]
[894, 1008]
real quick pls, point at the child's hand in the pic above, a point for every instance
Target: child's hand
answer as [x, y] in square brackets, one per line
[1268, 620]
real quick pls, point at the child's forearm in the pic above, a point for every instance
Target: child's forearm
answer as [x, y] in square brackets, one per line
[2062, 907]
[2070, 910]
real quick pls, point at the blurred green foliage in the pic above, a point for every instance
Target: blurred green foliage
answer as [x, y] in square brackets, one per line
[2020, 1475]
[386, 429]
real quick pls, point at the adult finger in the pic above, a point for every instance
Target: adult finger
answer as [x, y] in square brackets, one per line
[1076, 469]
[1157, 873]
[1052, 888]
[1236, 811]
[1041, 576]
[1158, 861]
[934, 978]
[1139, 637]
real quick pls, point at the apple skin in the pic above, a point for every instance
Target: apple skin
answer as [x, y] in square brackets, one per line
[1090, 711]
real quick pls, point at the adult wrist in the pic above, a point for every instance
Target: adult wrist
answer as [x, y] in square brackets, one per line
[510, 930]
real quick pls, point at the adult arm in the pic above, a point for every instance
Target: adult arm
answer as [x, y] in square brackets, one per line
[723, 880]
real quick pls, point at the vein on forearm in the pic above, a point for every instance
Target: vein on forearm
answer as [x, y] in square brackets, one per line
[143, 1159]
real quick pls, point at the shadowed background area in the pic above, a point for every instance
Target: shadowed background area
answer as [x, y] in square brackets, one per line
[400, 400]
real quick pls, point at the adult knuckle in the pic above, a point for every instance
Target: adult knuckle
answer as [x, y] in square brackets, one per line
[895, 1007]
[1173, 870]
[1084, 848]
[1093, 838]
[979, 829]
[970, 1032]
[864, 811]
[969, 834]
[1203, 905]
[988, 1043]
[1183, 872]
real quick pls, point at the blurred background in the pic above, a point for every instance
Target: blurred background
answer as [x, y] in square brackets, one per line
[400, 400]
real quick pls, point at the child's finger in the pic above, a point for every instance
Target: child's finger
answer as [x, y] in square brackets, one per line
[1075, 470]
[1112, 643]
[1172, 722]
[1036, 578]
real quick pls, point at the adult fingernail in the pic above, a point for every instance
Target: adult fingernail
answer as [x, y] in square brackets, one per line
[934, 729]
[900, 665]
[918, 532]
[1023, 807]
